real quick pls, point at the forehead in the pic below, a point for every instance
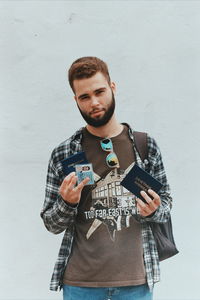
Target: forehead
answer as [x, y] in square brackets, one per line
[88, 85]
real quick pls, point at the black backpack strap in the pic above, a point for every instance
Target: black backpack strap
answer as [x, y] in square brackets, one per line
[141, 144]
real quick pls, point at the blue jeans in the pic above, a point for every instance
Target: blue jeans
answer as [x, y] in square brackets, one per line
[138, 292]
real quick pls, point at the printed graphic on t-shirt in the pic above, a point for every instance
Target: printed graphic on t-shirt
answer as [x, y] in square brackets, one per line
[112, 204]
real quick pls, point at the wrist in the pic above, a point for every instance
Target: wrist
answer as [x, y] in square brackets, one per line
[70, 203]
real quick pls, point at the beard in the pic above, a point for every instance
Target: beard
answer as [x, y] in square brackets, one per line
[100, 121]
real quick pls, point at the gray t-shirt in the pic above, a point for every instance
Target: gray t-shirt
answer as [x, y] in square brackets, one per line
[107, 247]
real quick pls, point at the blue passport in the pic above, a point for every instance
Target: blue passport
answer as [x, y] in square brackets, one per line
[138, 180]
[69, 163]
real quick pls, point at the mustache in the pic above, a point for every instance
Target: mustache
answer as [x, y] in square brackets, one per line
[96, 110]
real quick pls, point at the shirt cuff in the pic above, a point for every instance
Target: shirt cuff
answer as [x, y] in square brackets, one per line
[64, 206]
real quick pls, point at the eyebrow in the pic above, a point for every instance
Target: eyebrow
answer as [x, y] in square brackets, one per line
[82, 96]
[97, 90]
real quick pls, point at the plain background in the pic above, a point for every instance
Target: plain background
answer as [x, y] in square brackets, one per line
[153, 52]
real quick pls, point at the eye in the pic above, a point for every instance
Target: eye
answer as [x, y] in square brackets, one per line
[84, 98]
[99, 92]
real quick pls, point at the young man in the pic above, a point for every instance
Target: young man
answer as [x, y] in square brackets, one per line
[107, 252]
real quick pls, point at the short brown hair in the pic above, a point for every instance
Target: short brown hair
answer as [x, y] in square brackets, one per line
[86, 67]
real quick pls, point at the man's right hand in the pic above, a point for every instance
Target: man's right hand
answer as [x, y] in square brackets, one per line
[69, 192]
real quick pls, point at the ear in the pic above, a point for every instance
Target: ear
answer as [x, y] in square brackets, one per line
[113, 87]
[75, 98]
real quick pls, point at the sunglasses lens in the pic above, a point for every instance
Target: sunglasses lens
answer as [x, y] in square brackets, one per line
[106, 145]
[112, 160]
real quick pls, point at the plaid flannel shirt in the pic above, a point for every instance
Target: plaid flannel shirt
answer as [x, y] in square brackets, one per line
[58, 216]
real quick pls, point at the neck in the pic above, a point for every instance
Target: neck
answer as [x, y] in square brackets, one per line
[111, 129]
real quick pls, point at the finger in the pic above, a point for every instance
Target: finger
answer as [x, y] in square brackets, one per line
[81, 185]
[151, 203]
[67, 179]
[139, 207]
[72, 183]
[146, 197]
[147, 207]
[143, 209]
[156, 197]
[66, 182]
[140, 202]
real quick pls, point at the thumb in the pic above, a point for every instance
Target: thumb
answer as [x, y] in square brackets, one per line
[82, 184]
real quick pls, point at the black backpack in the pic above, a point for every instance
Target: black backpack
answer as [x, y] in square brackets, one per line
[162, 232]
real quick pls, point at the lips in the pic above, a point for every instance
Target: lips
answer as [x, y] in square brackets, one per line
[96, 112]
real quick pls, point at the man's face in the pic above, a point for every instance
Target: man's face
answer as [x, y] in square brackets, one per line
[95, 99]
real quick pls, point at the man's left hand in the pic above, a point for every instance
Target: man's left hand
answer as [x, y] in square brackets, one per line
[146, 209]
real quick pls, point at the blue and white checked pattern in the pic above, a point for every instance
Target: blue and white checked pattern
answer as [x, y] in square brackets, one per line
[58, 216]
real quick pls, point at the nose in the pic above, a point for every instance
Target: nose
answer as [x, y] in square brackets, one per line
[94, 101]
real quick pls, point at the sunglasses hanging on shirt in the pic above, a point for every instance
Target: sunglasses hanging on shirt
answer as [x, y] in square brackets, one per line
[111, 159]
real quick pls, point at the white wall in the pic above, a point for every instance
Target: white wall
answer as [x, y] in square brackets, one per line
[152, 49]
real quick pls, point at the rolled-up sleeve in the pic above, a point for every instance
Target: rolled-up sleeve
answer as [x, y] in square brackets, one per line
[57, 215]
[156, 168]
